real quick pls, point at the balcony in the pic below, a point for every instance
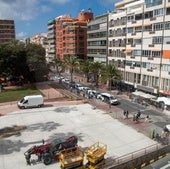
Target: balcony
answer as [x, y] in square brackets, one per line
[134, 33]
[133, 21]
[150, 58]
[152, 32]
[151, 45]
[153, 19]
[150, 70]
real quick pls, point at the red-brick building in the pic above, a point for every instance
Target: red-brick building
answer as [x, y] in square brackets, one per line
[71, 35]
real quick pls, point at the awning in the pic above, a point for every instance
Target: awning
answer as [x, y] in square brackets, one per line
[166, 54]
[128, 50]
[144, 95]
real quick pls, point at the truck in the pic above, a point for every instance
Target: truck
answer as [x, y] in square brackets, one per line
[31, 101]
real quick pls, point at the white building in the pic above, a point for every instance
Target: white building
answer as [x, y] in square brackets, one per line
[139, 43]
[97, 39]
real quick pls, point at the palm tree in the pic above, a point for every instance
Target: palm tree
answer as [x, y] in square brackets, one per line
[110, 73]
[96, 67]
[71, 62]
[85, 68]
[59, 66]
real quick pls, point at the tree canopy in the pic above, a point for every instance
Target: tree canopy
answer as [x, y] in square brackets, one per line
[22, 62]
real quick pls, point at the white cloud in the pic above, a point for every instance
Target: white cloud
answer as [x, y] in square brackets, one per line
[21, 10]
[21, 35]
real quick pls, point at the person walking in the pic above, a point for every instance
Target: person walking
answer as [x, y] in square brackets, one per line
[124, 114]
[127, 114]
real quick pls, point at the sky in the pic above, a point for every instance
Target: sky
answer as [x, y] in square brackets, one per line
[31, 16]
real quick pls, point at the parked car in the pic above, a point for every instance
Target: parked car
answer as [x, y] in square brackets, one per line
[109, 98]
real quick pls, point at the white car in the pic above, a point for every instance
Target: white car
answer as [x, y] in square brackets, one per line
[109, 98]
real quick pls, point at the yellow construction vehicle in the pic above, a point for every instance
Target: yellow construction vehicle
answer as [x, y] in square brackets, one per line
[95, 155]
[72, 159]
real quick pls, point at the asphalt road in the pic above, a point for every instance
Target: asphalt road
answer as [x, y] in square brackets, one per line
[158, 118]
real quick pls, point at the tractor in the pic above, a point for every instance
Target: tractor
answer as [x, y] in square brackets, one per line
[50, 151]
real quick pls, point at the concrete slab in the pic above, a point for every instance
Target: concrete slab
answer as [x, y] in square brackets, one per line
[88, 124]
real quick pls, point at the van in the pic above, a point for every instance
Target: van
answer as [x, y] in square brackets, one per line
[109, 98]
[31, 101]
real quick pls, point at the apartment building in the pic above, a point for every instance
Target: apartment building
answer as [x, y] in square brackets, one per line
[40, 39]
[7, 31]
[97, 39]
[51, 40]
[139, 43]
[71, 35]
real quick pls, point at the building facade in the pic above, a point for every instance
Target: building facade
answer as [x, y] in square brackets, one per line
[139, 43]
[97, 39]
[7, 31]
[51, 40]
[71, 35]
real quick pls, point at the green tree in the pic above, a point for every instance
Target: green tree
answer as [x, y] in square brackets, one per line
[109, 74]
[13, 61]
[95, 68]
[72, 63]
[36, 62]
[85, 68]
[59, 65]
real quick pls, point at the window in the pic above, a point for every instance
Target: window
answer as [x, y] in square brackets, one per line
[149, 14]
[137, 53]
[151, 3]
[130, 30]
[166, 67]
[157, 40]
[167, 25]
[156, 54]
[148, 28]
[146, 53]
[130, 18]
[168, 10]
[138, 17]
[158, 12]
[138, 29]
[158, 26]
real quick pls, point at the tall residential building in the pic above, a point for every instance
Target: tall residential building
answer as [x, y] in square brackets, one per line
[139, 43]
[71, 35]
[97, 39]
[40, 39]
[51, 40]
[7, 31]
[67, 36]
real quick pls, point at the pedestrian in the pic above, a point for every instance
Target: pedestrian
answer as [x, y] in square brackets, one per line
[134, 117]
[147, 118]
[124, 114]
[127, 114]
[153, 134]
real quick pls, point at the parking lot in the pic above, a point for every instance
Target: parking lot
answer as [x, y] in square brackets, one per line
[88, 124]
